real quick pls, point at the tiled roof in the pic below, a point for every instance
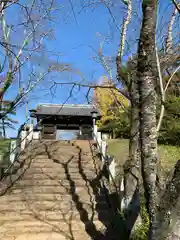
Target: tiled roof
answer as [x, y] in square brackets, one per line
[65, 110]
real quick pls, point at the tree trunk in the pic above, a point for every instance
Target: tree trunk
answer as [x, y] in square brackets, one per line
[147, 75]
[168, 213]
[132, 165]
[130, 203]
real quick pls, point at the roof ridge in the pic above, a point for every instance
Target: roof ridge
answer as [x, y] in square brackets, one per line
[67, 110]
[67, 105]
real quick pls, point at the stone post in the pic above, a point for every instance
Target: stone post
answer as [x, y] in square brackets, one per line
[37, 135]
[13, 150]
[30, 133]
[112, 170]
[103, 149]
[94, 116]
[23, 139]
[95, 132]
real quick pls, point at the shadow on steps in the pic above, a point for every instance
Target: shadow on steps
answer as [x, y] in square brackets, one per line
[103, 205]
[63, 171]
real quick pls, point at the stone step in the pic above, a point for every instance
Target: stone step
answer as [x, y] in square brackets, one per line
[50, 157]
[72, 230]
[60, 176]
[54, 205]
[38, 226]
[57, 161]
[54, 171]
[67, 160]
[36, 236]
[51, 172]
[48, 235]
[47, 167]
[51, 216]
[51, 149]
[51, 197]
[51, 144]
[73, 182]
[56, 153]
[45, 189]
[87, 164]
[53, 164]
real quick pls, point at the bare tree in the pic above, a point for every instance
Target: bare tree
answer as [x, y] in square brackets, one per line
[145, 81]
[177, 5]
[25, 59]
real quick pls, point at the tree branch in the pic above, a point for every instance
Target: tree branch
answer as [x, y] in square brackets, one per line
[126, 22]
[177, 5]
[94, 86]
[169, 40]
[162, 89]
[123, 39]
[170, 79]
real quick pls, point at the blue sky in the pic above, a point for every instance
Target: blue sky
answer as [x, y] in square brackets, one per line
[76, 35]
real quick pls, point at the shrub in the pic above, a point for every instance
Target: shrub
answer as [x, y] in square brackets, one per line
[141, 231]
[170, 129]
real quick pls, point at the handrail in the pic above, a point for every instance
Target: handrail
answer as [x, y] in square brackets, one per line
[17, 146]
[105, 160]
[29, 132]
[18, 138]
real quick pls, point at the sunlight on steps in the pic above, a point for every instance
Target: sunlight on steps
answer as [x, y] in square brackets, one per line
[58, 195]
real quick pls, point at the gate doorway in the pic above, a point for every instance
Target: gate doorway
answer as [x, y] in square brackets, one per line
[66, 134]
[66, 121]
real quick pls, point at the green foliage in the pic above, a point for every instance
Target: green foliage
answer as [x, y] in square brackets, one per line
[141, 231]
[4, 146]
[119, 126]
[4, 155]
[6, 120]
[174, 86]
[170, 130]
[168, 155]
[125, 2]
[117, 122]
[122, 126]
[7, 83]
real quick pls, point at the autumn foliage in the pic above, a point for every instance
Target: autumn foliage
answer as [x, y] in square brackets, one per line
[110, 101]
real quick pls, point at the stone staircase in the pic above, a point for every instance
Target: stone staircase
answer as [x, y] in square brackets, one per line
[55, 191]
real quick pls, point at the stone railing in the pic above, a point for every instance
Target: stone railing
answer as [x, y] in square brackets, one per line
[25, 136]
[26, 133]
[109, 161]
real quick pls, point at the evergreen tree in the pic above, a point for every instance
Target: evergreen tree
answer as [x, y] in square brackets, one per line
[7, 121]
